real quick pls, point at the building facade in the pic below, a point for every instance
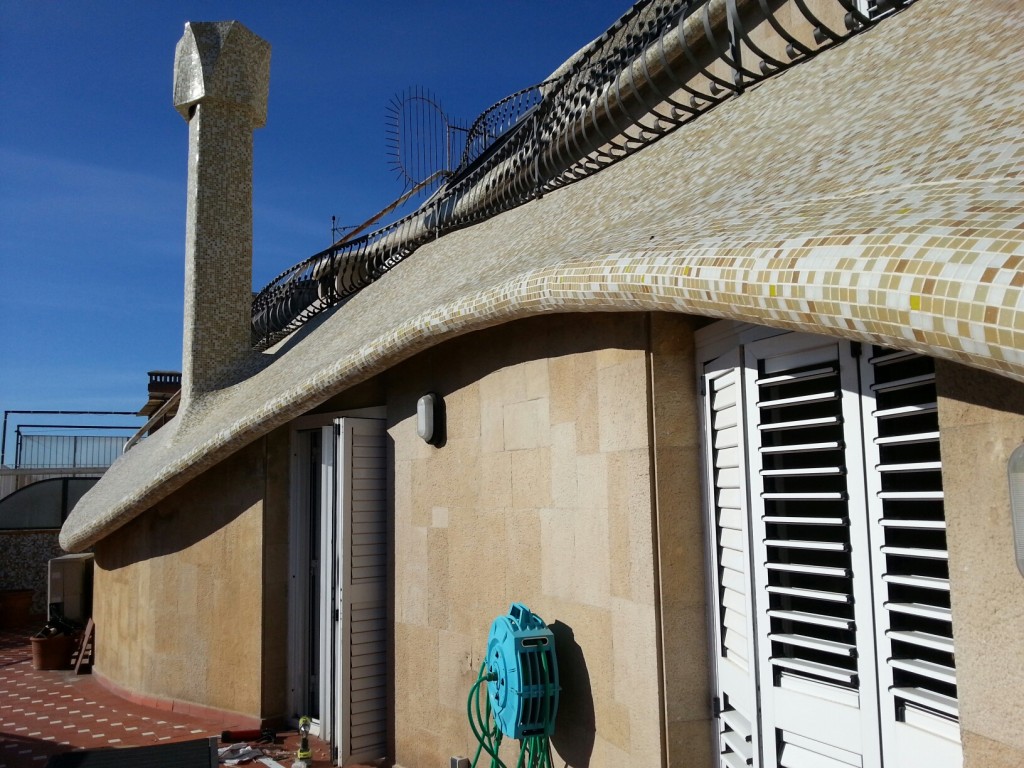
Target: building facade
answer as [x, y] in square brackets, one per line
[733, 416]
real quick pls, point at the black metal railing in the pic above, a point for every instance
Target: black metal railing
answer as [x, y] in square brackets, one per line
[664, 63]
[66, 451]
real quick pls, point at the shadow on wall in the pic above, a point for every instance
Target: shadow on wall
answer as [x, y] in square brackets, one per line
[202, 508]
[576, 724]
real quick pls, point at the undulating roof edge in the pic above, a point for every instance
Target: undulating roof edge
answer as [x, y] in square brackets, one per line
[873, 193]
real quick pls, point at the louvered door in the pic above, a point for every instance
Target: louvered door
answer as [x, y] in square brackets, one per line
[725, 462]
[911, 571]
[815, 641]
[362, 568]
[828, 556]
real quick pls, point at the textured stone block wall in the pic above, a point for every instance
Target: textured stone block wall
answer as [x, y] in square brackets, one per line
[981, 421]
[541, 494]
[191, 596]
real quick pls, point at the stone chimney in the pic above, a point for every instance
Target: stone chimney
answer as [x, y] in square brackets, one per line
[221, 81]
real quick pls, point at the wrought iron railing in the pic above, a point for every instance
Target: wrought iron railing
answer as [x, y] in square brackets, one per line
[664, 63]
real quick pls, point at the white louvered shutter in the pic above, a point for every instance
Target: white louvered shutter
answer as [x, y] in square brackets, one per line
[812, 592]
[848, 601]
[919, 712]
[362, 599]
[725, 464]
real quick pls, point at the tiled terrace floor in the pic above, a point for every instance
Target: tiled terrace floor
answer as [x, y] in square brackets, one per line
[43, 713]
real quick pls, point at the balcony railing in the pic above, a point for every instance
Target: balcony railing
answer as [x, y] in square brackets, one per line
[66, 451]
[664, 63]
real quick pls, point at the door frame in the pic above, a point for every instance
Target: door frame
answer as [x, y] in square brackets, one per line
[298, 570]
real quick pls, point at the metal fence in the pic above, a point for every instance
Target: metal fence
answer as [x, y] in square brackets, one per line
[67, 451]
[664, 63]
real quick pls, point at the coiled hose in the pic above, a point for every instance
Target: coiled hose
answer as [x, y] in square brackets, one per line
[534, 751]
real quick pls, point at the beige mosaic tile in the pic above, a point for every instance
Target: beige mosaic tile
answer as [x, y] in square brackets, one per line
[873, 193]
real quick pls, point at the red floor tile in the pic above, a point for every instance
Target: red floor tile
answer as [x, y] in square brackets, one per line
[43, 713]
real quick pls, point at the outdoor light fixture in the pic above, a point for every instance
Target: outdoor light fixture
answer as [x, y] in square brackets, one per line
[430, 418]
[1015, 470]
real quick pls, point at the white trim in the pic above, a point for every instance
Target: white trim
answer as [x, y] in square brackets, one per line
[298, 571]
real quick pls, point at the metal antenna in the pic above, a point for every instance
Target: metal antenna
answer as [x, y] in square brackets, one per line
[419, 138]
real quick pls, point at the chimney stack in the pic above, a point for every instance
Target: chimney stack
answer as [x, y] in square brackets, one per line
[221, 81]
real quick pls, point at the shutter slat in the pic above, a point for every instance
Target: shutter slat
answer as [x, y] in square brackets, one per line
[729, 458]
[815, 643]
[731, 539]
[820, 496]
[823, 546]
[800, 520]
[929, 554]
[727, 438]
[922, 639]
[821, 620]
[920, 609]
[924, 582]
[911, 495]
[784, 402]
[724, 398]
[818, 421]
[937, 701]
[803, 472]
[736, 722]
[770, 450]
[791, 378]
[813, 594]
[810, 570]
[905, 410]
[909, 439]
[917, 466]
[815, 668]
[930, 525]
[907, 383]
[733, 580]
[793, 756]
[735, 643]
[889, 357]
[927, 669]
[730, 518]
[739, 745]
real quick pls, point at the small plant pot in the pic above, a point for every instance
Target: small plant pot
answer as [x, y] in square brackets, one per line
[53, 652]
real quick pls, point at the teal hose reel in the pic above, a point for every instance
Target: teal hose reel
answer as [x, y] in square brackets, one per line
[521, 673]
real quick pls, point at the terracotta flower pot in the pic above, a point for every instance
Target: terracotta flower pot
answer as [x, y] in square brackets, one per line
[53, 652]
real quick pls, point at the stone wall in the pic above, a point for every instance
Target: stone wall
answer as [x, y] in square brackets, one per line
[192, 595]
[23, 559]
[981, 420]
[543, 493]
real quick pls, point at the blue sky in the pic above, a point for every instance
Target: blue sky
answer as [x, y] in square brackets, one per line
[93, 157]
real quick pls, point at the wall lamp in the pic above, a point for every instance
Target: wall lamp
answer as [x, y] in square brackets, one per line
[430, 419]
[1015, 470]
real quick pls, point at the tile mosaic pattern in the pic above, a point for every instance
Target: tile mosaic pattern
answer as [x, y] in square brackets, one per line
[874, 193]
[221, 81]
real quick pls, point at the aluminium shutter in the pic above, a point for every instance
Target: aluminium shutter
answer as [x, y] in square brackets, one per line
[732, 624]
[812, 588]
[851, 625]
[362, 601]
[919, 709]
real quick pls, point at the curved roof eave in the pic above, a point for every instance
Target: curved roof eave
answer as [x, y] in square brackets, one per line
[891, 211]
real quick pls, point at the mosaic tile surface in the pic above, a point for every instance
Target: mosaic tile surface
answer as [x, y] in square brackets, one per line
[874, 193]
